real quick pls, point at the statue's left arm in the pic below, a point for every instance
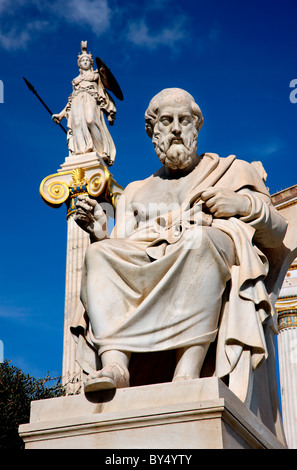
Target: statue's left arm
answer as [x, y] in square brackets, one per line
[105, 101]
[252, 207]
[270, 226]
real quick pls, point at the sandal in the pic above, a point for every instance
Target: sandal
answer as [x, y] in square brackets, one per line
[110, 377]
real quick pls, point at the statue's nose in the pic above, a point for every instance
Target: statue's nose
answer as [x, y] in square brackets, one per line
[176, 127]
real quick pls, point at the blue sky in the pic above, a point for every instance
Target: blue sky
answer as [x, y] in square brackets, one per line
[236, 58]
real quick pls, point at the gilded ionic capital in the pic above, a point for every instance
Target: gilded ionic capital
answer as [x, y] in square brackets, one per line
[286, 305]
[286, 308]
[66, 186]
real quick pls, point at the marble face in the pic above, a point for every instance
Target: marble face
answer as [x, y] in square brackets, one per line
[175, 134]
[85, 63]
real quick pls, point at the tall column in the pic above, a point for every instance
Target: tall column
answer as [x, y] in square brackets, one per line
[287, 348]
[80, 174]
[77, 243]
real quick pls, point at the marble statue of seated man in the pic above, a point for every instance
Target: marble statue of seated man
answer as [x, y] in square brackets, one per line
[183, 266]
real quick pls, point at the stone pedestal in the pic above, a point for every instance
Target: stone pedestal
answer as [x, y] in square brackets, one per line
[194, 414]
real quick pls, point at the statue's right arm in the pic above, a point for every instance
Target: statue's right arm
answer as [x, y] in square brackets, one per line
[58, 117]
[91, 218]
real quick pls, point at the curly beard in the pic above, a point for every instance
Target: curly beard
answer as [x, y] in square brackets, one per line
[175, 155]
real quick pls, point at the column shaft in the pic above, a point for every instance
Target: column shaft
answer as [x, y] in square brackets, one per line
[77, 243]
[287, 348]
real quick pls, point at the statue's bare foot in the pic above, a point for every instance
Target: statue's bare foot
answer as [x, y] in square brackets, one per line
[182, 377]
[111, 376]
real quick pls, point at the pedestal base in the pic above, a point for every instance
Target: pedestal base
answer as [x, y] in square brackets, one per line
[195, 414]
[85, 160]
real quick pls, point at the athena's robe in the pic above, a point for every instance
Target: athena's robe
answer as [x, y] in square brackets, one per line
[87, 130]
[164, 281]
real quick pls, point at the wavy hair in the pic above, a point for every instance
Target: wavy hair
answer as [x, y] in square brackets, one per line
[176, 94]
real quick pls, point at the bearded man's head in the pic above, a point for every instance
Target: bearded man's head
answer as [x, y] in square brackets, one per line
[173, 121]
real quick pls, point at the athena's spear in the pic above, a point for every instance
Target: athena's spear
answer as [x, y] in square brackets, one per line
[31, 88]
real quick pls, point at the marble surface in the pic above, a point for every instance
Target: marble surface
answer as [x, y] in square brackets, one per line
[196, 414]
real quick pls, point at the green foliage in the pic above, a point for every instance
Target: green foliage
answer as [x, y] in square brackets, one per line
[17, 390]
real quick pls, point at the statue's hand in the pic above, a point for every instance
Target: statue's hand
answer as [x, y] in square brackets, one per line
[226, 203]
[198, 216]
[91, 218]
[57, 118]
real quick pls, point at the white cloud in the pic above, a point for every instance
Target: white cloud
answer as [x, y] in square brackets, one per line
[15, 313]
[16, 38]
[22, 24]
[140, 34]
[94, 13]
[16, 34]
[5, 5]
[266, 149]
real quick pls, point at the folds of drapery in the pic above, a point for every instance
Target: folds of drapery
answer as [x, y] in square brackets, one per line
[247, 304]
[87, 127]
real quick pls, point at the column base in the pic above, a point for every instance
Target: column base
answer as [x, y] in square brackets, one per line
[85, 160]
[194, 414]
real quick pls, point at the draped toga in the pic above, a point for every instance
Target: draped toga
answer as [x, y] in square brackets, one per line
[163, 280]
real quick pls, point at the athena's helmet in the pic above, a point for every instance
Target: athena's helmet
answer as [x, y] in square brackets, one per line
[83, 46]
